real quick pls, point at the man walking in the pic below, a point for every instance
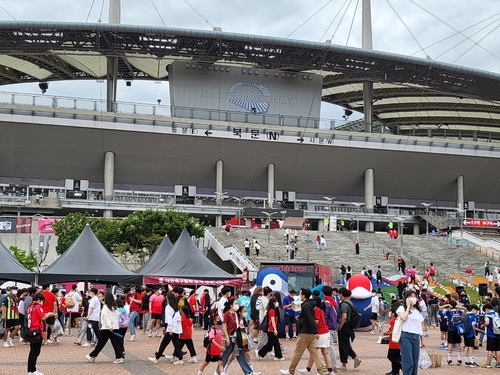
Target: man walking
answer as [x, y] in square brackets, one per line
[10, 313]
[346, 332]
[93, 317]
[307, 335]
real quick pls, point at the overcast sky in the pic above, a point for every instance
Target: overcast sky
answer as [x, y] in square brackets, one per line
[338, 21]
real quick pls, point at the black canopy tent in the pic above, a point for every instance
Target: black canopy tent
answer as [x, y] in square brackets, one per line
[11, 269]
[87, 260]
[157, 259]
[186, 265]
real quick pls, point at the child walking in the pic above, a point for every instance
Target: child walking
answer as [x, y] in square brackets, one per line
[394, 351]
[122, 322]
[470, 337]
[215, 347]
[187, 333]
[443, 326]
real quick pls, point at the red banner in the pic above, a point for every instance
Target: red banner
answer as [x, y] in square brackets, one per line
[476, 223]
[155, 280]
[45, 225]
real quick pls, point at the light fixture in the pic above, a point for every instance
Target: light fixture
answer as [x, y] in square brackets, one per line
[44, 86]
[128, 83]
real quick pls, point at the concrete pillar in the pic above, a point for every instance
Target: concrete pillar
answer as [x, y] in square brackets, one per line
[219, 169]
[115, 9]
[460, 192]
[114, 17]
[369, 193]
[109, 179]
[270, 184]
[416, 229]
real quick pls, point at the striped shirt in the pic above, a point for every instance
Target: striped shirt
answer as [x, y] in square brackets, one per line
[11, 308]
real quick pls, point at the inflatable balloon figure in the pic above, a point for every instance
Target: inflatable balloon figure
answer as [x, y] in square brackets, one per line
[273, 278]
[361, 288]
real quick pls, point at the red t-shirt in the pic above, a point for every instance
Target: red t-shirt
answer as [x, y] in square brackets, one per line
[192, 303]
[270, 315]
[35, 313]
[187, 328]
[321, 326]
[230, 321]
[214, 333]
[48, 305]
[413, 272]
[133, 305]
[468, 271]
[156, 303]
[393, 345]
[432, 270]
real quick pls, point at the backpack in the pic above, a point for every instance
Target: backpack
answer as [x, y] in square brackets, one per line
[456, 319]
[465, 325]
[264, 325]
[206, 341]
[496, 324]
[68, 301]
[354, 318]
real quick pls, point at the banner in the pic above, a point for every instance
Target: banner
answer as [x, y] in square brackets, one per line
[45, 225]
[15, 224]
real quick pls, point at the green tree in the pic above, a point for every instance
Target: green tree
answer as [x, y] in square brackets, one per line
[143, 231]
[70, 227]
[28, 260]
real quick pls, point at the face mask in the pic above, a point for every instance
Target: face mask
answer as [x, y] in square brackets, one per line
[276, 304]
[14, 292]
[244, 314]
[236, 307]
[412, 300]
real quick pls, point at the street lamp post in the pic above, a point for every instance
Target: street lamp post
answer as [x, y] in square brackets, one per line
[269, 214]
[400, 233]
[426, 205]
[239, 200]
[330, 199]
[460, 214]
[358, 205]
[220, 196]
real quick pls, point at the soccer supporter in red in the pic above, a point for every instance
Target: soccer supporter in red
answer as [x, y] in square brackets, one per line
[186, 337]
[36, 318]
[49, 305]
[134, 300]
[215, 347]
[272, 330]
[155, 307]
[394, 351]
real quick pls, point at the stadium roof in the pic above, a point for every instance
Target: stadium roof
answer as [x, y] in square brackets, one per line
[411, 95]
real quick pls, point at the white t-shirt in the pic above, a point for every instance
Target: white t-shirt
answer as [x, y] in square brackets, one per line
[76, 297]
[413, 323]
[375, 304]
[490, 278]
[96, 312]
[220, 307]
[423, 306]
[425, 284]
[246, 243]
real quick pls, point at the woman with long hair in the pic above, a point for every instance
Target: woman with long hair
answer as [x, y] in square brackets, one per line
[273, 317]
[173, 331]
[412, 333]
[36, 321]
[109, 326]
[244, 329]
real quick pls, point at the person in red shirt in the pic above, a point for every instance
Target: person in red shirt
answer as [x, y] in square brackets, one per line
[186, 337]
[215, 347]
[49, 305]
[155, 307]
[272, 330]
[394, 351]
[36, 317]
[134, 301]
[468, 275]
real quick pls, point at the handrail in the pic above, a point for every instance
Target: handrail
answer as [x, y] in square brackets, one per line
[230, 253]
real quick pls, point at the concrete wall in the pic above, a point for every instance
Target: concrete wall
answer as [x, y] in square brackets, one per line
[22, 241]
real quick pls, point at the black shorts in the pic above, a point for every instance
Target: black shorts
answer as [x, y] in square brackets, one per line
[454, 338]
[213, 358]
[493, 344]
[9, 323]
[50, 321]
[444, 328]
[155, 316]
[289, 319]
[469, 342]
[373, 316]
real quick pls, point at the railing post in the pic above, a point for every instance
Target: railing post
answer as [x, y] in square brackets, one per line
[75, 105]
[33, 102]
[54, 102]
[13, 99]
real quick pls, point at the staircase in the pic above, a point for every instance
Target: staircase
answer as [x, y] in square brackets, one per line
[439, 222]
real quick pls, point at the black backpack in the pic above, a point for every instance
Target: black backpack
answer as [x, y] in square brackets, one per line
[264, 325]
[206, 341]
[354, 317]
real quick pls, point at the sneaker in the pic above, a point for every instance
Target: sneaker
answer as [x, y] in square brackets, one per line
[473, 364]
[89, 358]
[153, 359]
[6, 344]
[287, 337]
[442, 346]
[170, 358]
[257, 355]
[466, 364]
[486, 365]
[85, 345]
[132, 338]
[449, 363]
[285, 372]
[270, 354]
[255, 341]
[304, 371]
[459, 363]
[357, 362]
[192, 360]
[118, 360]
[372, 332]
[279, 359]
[179, 362]
[342, 368]
[294, 337]
[49, 341]
[10, 342]
[254, 373]
[199, 373]
[380, 328]
[150, 334]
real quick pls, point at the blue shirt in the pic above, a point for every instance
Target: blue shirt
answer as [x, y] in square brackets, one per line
[489, 328]
[245, 301]
[472, 323]
[442, 316]
[449, 315]
[289, 311]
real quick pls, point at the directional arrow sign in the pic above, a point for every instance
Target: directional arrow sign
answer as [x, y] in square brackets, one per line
[480, 223]
[207, 133]
[300, 139]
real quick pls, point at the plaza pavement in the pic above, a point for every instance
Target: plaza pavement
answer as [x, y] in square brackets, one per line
[68, 358]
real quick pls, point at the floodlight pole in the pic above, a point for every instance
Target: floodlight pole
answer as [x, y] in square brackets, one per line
[426, 205]
[330, 210]
[269, 214]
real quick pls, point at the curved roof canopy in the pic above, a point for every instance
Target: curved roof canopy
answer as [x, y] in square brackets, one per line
[410, 94]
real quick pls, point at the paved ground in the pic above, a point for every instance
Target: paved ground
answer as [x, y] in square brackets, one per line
[70, 359]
